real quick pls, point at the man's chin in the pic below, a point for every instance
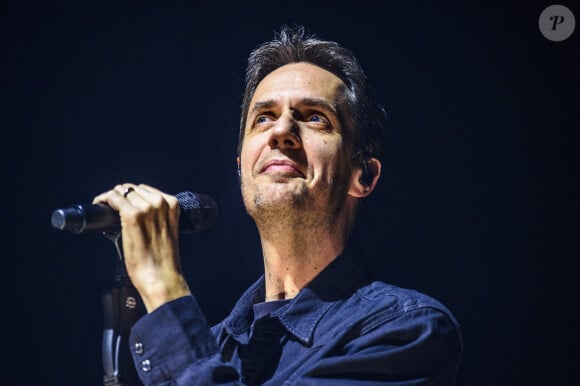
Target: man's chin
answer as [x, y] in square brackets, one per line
[281, 193]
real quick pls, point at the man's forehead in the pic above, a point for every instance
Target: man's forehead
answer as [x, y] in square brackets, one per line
[300, 79]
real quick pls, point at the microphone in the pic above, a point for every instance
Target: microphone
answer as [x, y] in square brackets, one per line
[198, 213]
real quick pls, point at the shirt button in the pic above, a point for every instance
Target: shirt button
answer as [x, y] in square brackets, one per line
[139, 348]
[146, 365]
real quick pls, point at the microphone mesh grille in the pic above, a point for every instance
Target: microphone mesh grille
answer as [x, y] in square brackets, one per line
[198, 212]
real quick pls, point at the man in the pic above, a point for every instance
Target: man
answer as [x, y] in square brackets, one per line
[310, 135]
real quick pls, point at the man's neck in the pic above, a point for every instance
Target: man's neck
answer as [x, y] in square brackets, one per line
[295, 255]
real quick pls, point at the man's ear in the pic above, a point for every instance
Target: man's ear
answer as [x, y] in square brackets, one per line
[365, 177]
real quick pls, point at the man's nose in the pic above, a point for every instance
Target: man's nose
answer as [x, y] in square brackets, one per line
[284, 134]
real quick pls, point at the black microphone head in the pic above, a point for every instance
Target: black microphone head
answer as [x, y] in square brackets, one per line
[198, 212]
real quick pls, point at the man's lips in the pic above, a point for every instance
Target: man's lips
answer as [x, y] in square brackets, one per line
[282, 167]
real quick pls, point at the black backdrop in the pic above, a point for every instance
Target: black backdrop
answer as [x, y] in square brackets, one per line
[477, 206]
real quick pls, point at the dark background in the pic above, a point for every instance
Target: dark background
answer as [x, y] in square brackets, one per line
[477, 206]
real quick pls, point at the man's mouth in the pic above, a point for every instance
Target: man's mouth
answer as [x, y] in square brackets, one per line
[286, 168]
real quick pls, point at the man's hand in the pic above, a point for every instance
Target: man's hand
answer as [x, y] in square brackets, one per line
[150, 231]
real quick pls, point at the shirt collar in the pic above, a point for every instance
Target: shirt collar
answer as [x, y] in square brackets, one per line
[301, 316]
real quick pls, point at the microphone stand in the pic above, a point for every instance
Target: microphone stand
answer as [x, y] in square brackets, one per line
[122, 307]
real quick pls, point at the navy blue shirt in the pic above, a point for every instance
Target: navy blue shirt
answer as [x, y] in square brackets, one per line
[343, 328]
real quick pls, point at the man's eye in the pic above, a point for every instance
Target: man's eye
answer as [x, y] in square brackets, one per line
[317, 118]
[262, 119]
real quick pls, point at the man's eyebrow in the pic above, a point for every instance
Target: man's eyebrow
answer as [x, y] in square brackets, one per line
[311, 102]
[258, 106]
[321, 103]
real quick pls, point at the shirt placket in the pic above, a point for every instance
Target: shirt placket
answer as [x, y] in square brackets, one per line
[262, 351]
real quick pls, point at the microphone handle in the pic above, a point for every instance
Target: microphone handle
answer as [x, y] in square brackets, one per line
[80, 218]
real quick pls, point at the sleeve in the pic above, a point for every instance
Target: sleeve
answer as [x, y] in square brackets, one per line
[419, 347]
[175, 346]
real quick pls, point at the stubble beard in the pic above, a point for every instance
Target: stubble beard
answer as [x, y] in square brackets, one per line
[286, 205]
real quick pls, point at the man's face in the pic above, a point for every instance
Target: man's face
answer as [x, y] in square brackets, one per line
[293, 152]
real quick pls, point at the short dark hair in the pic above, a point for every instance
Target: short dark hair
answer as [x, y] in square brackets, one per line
[294, 44]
